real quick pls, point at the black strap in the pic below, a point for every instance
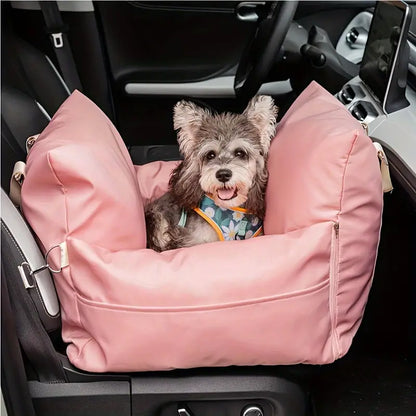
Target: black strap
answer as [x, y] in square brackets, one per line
[32, 336]
[14, 384]
[57, 30]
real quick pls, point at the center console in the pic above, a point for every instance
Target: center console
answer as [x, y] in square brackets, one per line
[380, 87]
[360, 101]
[380, 97]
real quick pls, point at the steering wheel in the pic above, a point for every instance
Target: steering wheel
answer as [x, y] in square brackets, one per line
[261, 51]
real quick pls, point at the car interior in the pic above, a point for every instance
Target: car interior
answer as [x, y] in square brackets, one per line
[135, 60]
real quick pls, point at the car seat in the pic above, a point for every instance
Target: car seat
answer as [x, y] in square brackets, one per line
[30, 309]
[28, 70]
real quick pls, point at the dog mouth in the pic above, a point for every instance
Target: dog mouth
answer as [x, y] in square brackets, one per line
[227, 193]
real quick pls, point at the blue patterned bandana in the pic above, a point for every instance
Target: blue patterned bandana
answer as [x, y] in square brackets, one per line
[229, 224]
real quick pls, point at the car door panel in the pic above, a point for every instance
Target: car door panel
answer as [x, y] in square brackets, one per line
[333, 16]
[159, 52]
[171, 44]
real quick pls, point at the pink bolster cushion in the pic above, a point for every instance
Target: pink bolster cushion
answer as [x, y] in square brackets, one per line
[294, 295]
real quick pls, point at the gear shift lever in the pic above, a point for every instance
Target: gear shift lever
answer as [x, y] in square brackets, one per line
[328, 67]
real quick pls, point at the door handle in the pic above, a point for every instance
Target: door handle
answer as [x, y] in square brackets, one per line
[248, 11]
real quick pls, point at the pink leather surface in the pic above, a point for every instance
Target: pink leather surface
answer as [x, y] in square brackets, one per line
[153, 179]
[323, 167]
[295, 295]
[82, 182]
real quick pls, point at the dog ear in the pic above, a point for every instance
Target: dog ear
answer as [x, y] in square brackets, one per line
[187, 119]
[256, 194]
[261, 112]
[184, 185]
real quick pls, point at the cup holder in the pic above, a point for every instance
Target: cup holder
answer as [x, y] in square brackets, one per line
[363, 111]
[349, 93]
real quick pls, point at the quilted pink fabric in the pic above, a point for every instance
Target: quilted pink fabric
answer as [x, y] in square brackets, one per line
[296, 295]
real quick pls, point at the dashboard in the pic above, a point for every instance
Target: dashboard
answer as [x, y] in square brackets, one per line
[394, 130]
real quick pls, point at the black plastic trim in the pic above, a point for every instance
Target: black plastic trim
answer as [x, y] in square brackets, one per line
[109, 398]
[150, 394]
[145, 154]
[309, 7]
[191, 6]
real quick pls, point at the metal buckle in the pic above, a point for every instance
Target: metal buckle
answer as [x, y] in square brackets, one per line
[30, 141]
[26, 272]
[183, 411]
[58, 40]
[365, 127]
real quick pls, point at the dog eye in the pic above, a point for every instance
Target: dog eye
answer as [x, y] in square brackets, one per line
[240, 153]
[210, 155]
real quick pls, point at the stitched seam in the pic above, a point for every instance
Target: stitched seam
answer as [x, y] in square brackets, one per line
[62, 188]
[13, 241]
[60, 183]
[175, 309]
[338, 248]
[41, 301]
[345, 170]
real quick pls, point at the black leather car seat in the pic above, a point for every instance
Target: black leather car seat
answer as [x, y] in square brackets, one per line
[32, 72]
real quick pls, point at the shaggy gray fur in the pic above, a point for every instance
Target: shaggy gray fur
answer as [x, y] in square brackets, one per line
[209, 143]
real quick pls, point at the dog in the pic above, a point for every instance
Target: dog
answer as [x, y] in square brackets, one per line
[217, 191]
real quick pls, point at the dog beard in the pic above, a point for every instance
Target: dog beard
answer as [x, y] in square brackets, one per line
[232, 193]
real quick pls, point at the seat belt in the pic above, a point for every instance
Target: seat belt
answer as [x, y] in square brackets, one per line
[57, 31]
[31, 334]
[13, 376]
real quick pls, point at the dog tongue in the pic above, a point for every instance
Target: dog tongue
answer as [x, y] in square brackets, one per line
[224, 193]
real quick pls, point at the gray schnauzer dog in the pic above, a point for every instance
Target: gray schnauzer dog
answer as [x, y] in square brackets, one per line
[217, 191]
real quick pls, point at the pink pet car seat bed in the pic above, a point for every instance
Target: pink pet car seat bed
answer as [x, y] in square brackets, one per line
[295, 295]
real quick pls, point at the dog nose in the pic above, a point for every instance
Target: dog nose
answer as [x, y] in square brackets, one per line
[224, 175]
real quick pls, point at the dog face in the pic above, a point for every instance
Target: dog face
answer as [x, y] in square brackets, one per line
[224, 154]
[229, 157]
